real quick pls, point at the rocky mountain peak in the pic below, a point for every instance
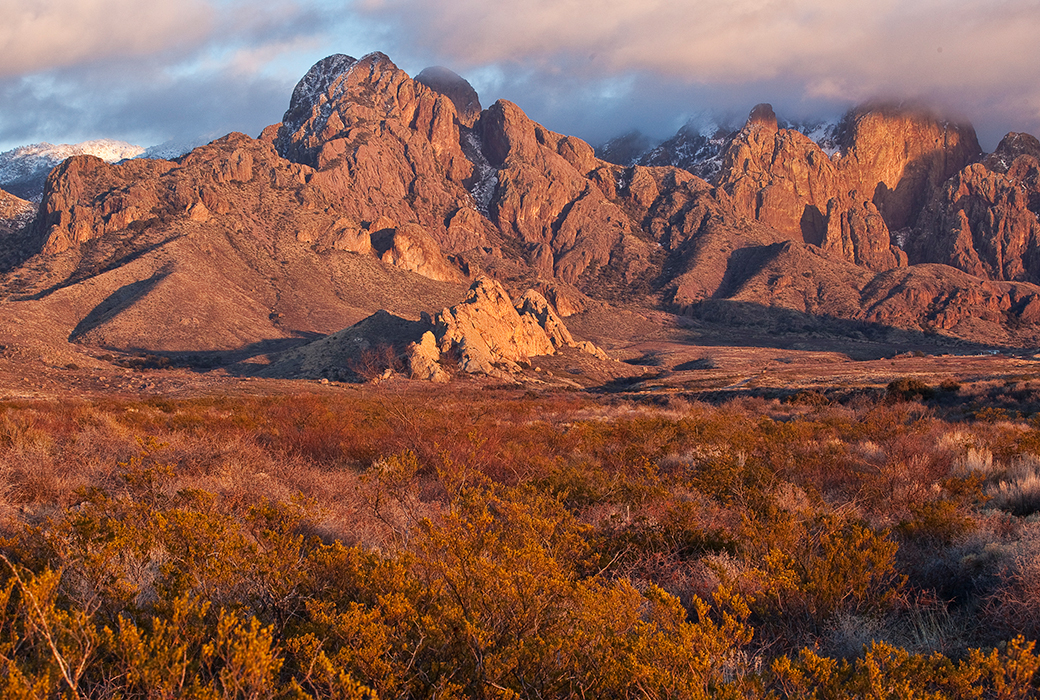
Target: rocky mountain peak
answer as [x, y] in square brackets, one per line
[900, 157]
[1010, 148]
[456, 88]
[318, 79]
[762, 117]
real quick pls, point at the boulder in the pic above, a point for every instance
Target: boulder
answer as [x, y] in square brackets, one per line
[487, 334]
[424, 360]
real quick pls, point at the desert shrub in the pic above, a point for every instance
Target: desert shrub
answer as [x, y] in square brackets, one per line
[939, 521]
[465, 544]
[516, 613]
[808, 397]
[885, 671]
[908, 389]
[1018, 489]
[371, 363]
[815, 569]
[145, 361]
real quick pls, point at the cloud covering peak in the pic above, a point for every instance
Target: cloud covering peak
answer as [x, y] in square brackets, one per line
[977, 56]
[596, 68]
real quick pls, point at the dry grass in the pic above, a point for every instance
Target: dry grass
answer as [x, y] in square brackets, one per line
[680, 494]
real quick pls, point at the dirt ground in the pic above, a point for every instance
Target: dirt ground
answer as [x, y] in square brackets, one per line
[652, 354]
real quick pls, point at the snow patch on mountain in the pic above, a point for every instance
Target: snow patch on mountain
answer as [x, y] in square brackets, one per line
[697, 148]
[698, 145]
[485, 178]
[24, 170]
[169, 150]
[825, 133]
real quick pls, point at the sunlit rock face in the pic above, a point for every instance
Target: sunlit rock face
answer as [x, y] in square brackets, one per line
[984, 220]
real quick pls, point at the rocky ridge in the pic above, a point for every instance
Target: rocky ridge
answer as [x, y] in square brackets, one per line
[485, 334]
[698, 145]
[382, 191]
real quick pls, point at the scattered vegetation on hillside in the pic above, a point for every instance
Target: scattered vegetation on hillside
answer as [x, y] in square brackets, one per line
[501, 544]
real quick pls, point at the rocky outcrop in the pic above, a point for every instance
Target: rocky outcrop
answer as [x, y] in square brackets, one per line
[85, 198]
[899, 158]
[856, 232]
[485, 334]
[985, 219]
[1012, 146]
[411, 248]
[424, 360]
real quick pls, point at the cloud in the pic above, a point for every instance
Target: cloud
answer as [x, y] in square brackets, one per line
[594, 68]
[876, 41]
[39, 35]
[147, 72]
[978, 54]
[76, 105]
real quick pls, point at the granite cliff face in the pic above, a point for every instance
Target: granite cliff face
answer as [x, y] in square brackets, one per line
[899, 158]
[379, 190]
[984, 220]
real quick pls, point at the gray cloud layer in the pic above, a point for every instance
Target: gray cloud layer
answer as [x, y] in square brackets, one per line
[72, 69]
[981, 57]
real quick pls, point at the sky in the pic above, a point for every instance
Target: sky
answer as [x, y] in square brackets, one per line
[151, 72]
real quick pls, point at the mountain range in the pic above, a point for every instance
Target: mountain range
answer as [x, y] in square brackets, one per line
[380, 191]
